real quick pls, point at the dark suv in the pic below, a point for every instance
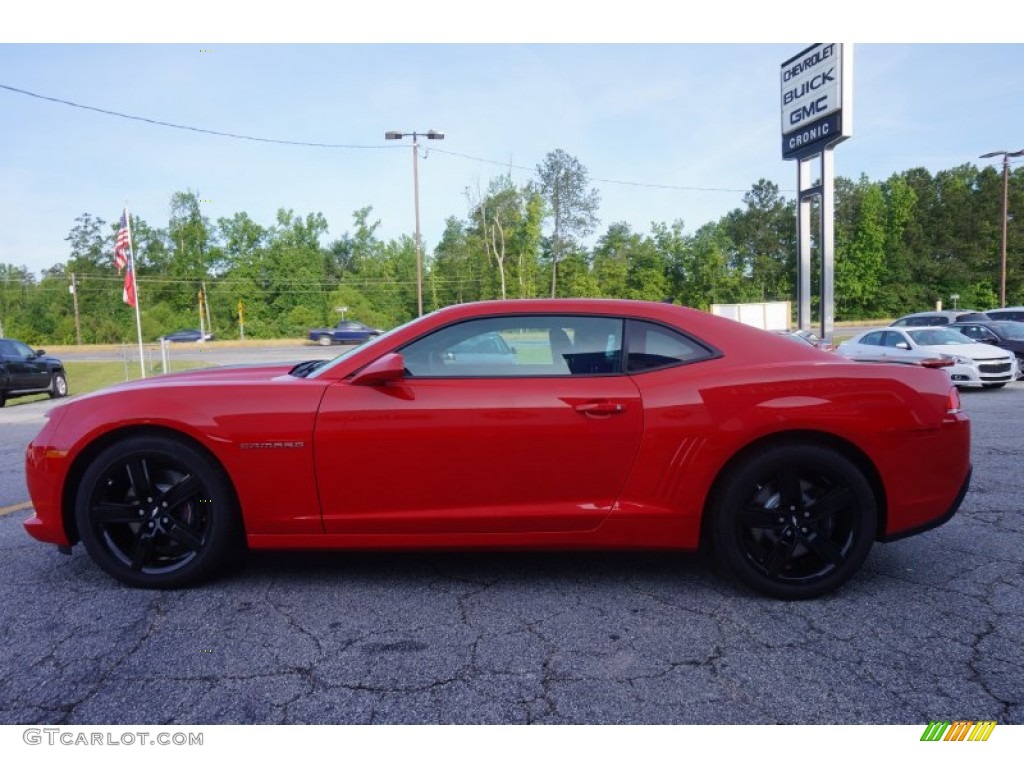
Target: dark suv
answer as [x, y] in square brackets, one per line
[24, 371]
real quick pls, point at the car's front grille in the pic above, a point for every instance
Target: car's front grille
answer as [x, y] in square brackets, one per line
[994, 367]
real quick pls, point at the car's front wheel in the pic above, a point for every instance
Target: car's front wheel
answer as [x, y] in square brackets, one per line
[157, 512]
[58, 385]
[794, 521]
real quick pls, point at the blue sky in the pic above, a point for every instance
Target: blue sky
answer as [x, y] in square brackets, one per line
[690, 125]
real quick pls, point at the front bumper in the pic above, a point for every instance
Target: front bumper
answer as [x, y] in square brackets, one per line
[980, 374]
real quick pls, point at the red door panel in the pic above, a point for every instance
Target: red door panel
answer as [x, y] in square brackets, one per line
[510, 455]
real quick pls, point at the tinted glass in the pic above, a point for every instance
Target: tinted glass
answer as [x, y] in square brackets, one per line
[520, 345]
[655, 346]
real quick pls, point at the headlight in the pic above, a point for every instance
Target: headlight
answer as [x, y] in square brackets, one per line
[961, 360]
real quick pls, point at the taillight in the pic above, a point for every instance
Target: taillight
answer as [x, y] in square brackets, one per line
[953, 403]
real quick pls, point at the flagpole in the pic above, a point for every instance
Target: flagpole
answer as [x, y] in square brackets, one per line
[135, 289]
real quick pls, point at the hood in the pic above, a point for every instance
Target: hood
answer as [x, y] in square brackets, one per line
[973, 351]
[239, 373]
[226, 374]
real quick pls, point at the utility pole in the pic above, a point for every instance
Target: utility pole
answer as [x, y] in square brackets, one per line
[206, 304]
[74, 297]
[431, 134]
[202, 321]
[1006, 198]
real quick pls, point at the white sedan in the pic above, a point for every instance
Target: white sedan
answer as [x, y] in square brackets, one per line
[974, 365]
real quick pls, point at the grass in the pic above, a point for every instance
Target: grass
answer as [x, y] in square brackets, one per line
[86, 377]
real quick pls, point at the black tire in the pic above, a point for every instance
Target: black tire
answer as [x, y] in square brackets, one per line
[794, 521]
[156, 512]
[325, 341]
[994, 386]
[58, 384]
[3, 399]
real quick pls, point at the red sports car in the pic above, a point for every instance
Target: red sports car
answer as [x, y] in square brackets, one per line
[607, 425]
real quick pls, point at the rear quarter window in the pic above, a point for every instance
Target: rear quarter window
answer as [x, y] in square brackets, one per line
[650, 346]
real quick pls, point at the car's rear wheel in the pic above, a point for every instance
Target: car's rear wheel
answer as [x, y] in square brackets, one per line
[157, 512]
[794, 521]
[324, 341]
[58, 385]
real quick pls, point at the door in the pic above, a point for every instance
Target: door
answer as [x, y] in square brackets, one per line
[25, 369]
[543, 443]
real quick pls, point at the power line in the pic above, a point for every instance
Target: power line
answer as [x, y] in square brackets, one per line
[226, 134]
[189, 127]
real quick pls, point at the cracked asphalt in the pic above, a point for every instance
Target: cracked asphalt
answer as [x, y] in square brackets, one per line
[930, 629]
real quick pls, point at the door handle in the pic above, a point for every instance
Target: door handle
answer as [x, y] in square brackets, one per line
[601, 409]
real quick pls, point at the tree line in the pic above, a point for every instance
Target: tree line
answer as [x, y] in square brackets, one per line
[900, 245]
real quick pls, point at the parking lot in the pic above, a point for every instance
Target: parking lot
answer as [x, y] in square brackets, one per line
[930, 629]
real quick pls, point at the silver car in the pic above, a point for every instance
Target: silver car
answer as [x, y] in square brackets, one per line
[973, 364]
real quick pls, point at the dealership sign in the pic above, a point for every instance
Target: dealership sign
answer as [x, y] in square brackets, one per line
[816, 99]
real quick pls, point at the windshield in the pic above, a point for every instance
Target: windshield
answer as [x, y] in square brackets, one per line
[1010, 329]
[938, 337]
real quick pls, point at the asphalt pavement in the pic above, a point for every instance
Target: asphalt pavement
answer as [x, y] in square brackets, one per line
[929, 630]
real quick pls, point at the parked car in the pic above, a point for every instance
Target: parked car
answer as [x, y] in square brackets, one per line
[1005, 334]
[806, 337]
[1006, 313]
[27, 371]
[974, 365]
[627, 425]
[188, 334]
[345, 332]
[486, 349]
[942, 317]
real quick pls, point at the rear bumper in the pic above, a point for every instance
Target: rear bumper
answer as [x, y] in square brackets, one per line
[936, 522]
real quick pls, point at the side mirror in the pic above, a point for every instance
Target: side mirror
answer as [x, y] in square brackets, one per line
[385, 369]
[40, 352]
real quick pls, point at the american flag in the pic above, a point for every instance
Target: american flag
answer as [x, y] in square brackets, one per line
[123, 244]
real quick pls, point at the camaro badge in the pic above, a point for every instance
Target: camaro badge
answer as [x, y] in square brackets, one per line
[273, 444]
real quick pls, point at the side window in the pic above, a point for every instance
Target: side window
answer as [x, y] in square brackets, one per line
[519, 345]
[1006, 315]
[892, 339]
[23, 350]
[651, 346]
[874, 339]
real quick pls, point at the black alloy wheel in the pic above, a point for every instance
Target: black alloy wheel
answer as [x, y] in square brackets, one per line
[157, 512]
[794, 521]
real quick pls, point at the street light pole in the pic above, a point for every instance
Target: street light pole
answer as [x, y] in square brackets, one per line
[431, 134]
[1006, 197]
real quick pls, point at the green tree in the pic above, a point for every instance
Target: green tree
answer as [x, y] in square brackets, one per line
[763, 237]
[860, 250]
[572, 204]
